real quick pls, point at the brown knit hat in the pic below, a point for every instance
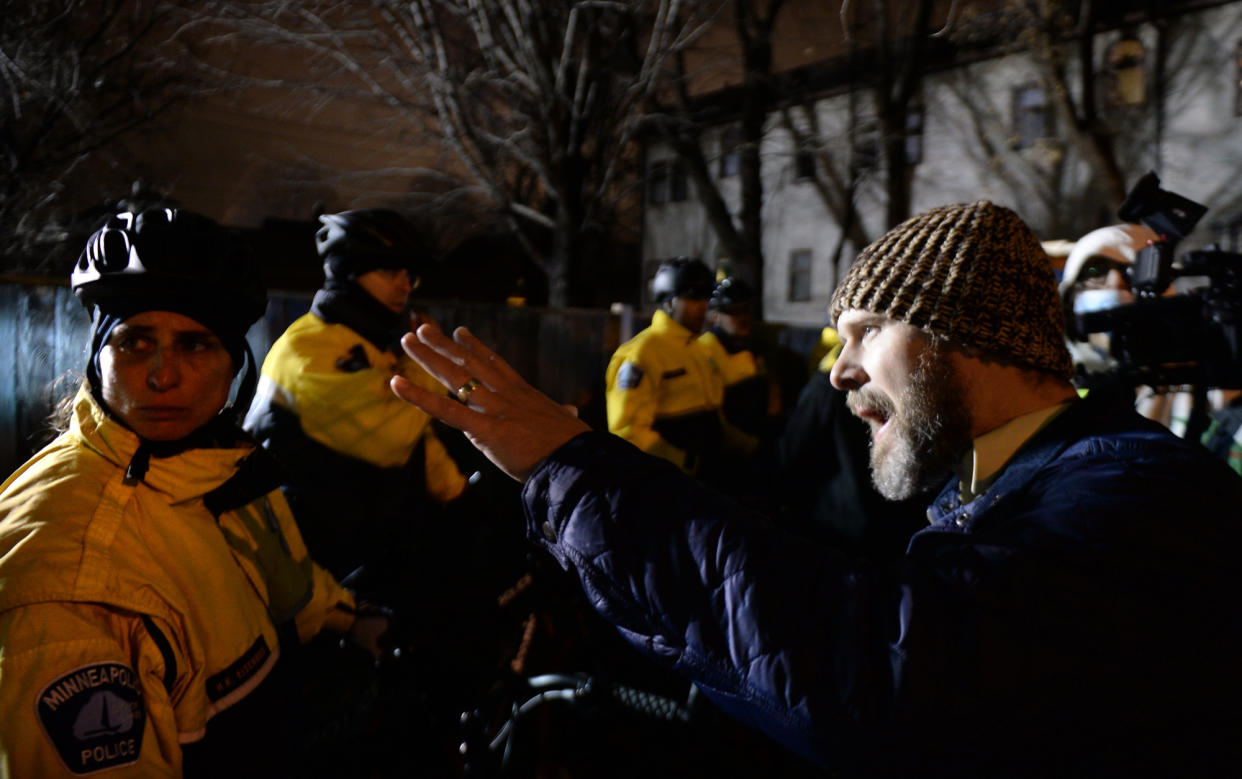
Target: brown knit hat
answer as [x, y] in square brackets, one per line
[974, 274]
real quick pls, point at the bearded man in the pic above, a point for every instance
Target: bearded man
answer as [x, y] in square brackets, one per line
[932, 429]
[1070, 609]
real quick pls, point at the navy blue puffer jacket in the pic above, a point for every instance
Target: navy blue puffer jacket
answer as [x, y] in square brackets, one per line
[1080, 616]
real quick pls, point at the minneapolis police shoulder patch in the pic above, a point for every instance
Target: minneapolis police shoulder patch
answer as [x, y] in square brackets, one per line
[94, 717]
[630, 376]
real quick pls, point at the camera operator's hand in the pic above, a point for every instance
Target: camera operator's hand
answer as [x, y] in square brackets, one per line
[511, 422]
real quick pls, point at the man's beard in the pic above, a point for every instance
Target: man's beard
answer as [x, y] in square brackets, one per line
[928, 437]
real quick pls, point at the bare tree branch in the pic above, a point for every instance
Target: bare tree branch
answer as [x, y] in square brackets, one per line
[77, 78]
[539, 103]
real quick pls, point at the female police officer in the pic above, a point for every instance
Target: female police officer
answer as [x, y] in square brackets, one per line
[151, 573]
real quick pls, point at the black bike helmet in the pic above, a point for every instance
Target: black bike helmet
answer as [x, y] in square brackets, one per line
[174, 260]
[682, 277]
[354, 242]
[730, 295]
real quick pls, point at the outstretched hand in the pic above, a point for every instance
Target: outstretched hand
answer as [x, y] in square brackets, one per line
[508, 420]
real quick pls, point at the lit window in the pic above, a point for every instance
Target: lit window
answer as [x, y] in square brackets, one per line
[1126, 63]
[1032, 116]
[799, 275]
[657, 183]
[730, 152]
[1237, 82]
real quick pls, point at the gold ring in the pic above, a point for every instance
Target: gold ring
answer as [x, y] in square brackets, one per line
[463, 392]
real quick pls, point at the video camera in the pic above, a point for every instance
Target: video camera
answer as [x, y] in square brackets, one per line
[1189, 338]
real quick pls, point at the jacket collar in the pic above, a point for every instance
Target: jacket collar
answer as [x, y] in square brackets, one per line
[664, 324]
[187, 475]
[1044, 447]
[345, 303]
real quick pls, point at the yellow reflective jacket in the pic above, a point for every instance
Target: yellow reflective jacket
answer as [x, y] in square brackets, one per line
[826, 351]
[745, 399]
[334, 383]
[664, 395]
[129, 613]
[733, 368]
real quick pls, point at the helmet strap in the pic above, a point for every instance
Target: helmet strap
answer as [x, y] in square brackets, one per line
[239, 402]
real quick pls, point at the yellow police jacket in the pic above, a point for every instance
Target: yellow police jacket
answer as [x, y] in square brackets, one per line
[130, 614]
[827, 349]
[733, 368]
[663, 394]
[745, 398]
[336, 383]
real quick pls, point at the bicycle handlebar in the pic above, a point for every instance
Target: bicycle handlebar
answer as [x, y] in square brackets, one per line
[574, 689]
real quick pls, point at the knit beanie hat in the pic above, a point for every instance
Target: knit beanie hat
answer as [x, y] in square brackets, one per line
[971, 273]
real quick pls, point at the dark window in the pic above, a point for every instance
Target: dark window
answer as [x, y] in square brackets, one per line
[914, 135]
[866, 147]
[679, 184]
[799, 275]
[730, 152]
[1032, 116]
[804, 165]
[657, 183]
[1237, 81]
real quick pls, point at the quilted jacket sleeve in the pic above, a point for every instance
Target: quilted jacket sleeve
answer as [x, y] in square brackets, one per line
[691, 579]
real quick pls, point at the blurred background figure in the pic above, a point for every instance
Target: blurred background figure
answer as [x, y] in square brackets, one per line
[1224, 432]
[729, 344]
[374, 489]
[1096, 278]
[365, 470]
[663, 394]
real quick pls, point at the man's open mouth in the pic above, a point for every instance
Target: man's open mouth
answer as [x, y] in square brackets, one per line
[871, 407]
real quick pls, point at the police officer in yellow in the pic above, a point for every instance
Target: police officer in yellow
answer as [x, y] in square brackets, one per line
[728, 343]
[363, 466]
[153, 582]
[663, 394]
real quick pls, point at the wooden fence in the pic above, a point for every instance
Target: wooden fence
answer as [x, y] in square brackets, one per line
[45, 332]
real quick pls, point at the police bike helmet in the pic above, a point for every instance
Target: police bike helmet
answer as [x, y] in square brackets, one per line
[682, 277]
[169, 259]
[730, 295]
[354, 242]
